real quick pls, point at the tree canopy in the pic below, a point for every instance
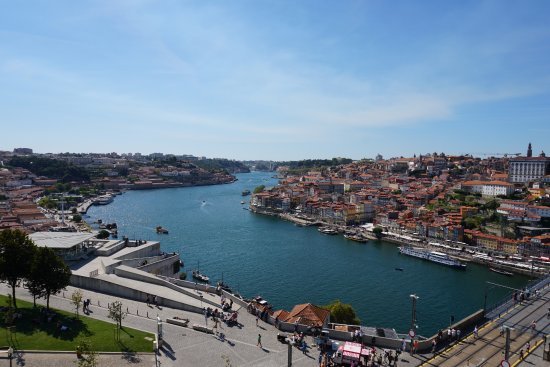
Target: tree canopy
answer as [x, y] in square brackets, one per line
[342, 313]
[53, 168]
[16, 254]
[53, 280]
[259, 189]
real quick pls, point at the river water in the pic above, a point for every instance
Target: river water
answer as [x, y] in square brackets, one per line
[288, 265]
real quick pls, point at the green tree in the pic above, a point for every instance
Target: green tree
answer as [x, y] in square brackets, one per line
[87, 356]
[259, 189]
[117, 315]
[16, 253]
[77, 218]
[76, 300]
[377, 232]
[342, 313]
[103, 234]
[52, 281]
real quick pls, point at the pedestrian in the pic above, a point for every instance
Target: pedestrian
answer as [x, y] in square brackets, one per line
[476, 332]
[215, 327]
[453, 334]
[521, 354]
[148, 300]
[533, 326]
[296, 326]
[528, 346]
[256, 320]
[259, 341]
[415, 346]
[154, 300]
[457, 334]
[84, 306]
[433, 345]
[320, 358]
[205, 316]
[403, 345]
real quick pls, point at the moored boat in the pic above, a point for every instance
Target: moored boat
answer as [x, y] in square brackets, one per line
[245, 192]
[200, 277]
[355, 238]
[327, 230]
[433, 256]
[503, 272]
[103, 200]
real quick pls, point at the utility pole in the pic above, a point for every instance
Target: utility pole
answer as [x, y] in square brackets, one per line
[289, 353]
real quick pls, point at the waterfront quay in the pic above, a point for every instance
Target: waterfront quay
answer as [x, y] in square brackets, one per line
[185, 346]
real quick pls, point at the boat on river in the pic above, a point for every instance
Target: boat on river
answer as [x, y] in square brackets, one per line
[433, 256]
[356, 238]
[245, 192]
[161, 230]
[503, 272]
[103, 200]
[327, 230]
[200, 276]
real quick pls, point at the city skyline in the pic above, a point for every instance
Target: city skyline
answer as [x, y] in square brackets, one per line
[275, 80]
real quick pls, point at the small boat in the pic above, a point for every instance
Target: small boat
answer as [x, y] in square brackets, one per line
[242, 201]
[200, 277]
[399, 269]
[355, 238]
[161, 230]
[503, 272]
[245, 192]
[327, 230]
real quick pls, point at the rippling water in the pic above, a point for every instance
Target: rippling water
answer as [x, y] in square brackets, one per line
[288, 265]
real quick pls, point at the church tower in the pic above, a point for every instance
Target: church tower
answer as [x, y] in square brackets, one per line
[529, 151]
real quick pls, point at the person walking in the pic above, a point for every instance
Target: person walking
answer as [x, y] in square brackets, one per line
[259, 341]
[403, 345]
[148, 300]
[205, 317]
[476, 335]
[256, 320]
[534, 326]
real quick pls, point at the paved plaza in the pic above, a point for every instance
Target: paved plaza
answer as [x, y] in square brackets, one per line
[187, 347]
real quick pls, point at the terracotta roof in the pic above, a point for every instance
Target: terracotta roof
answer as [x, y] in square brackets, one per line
[308, 314]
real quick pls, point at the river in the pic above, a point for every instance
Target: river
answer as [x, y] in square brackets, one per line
[288, 265]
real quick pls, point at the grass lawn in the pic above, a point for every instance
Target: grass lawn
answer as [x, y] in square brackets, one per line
[34, 332]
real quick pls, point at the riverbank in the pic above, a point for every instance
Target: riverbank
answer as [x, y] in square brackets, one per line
[460, 252]
[285, 263]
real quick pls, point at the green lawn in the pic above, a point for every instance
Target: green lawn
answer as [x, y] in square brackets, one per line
[34, 332]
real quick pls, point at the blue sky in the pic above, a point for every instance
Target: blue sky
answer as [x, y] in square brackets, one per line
[275, 79]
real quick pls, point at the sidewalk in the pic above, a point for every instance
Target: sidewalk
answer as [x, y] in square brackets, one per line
[184, 346]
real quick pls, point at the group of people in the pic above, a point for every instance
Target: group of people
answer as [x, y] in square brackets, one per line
[86, 306]
[226, 305]
[217, 317]
[151, 299]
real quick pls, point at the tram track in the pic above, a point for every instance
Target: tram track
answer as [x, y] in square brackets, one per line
[490, 351]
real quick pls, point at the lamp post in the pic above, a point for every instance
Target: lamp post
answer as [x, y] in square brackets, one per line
[10, 354]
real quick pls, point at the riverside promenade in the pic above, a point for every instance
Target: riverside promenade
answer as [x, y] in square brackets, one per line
[187, 347]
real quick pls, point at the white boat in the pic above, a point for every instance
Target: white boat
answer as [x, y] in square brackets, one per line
[200, 277]
[433, 256]
[103, 200]
[503, 272]
[326, 230]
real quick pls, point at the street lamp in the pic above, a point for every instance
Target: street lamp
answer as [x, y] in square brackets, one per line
[10, 354]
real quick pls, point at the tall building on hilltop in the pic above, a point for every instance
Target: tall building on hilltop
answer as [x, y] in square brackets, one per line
[526, 169]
